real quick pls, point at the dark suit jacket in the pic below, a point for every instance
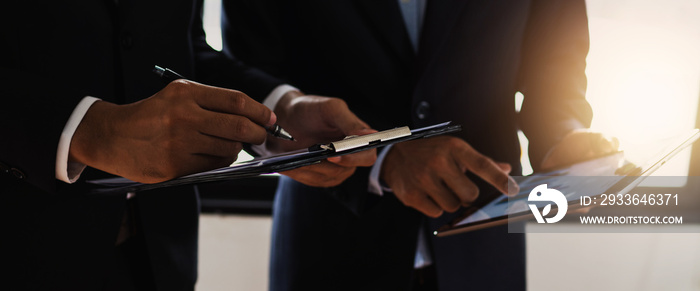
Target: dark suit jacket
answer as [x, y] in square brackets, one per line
[52, 54]
[473, 57]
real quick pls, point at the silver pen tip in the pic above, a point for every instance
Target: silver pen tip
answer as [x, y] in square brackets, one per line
[284, 134]
[279, 132]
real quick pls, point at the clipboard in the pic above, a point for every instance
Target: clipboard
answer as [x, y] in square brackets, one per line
[282, 162]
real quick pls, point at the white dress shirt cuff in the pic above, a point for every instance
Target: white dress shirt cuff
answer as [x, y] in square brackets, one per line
[375, 186]
[271, 102]
[65, 171]
[276, 94]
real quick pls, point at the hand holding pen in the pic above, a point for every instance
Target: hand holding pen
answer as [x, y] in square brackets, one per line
[184, 128]
[169, 75]
[325, 119]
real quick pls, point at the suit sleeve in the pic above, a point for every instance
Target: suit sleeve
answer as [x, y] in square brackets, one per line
[34, 107]
[34, 111]
[552, 75]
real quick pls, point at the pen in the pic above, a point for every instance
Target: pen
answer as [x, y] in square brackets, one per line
[169, 75]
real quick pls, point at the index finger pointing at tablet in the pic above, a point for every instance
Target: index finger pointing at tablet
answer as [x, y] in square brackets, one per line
[484, 167]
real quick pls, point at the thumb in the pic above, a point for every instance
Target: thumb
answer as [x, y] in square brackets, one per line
[505, 167]
[361, 131]
[347, 122]
[341, 160]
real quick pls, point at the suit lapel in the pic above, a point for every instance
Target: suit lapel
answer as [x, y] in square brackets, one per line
[384, 17]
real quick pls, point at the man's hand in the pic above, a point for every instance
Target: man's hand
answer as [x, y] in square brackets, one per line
[429, 174]
[315, 119]
[185, 128]
[577, 146]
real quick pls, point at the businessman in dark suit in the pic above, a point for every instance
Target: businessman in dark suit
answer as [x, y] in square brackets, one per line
[414, 63]
[54, 58]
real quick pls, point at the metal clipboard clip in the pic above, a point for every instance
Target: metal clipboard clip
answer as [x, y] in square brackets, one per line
[354, 141]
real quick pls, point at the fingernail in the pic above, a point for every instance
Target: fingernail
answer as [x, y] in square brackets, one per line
[436, 215]
[273, 119]
[508, 169]
[334, 159]
[513, 188]
[366, 131]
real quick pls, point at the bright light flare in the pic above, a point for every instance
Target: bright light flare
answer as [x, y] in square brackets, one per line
[644, 74]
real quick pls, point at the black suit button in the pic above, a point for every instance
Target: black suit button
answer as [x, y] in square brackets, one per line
[423, 110]
[17, 173]
[127, 41]
[4, 169]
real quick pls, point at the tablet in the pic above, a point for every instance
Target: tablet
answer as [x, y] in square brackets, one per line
[607, 174]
